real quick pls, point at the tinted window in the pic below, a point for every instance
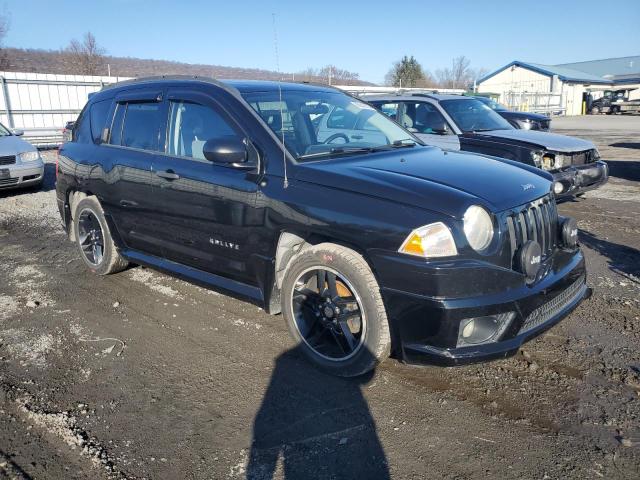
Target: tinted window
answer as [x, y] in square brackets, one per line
[116, 125]
[141, 126]
[191, 126]
[82, 130]
[389, 109]
[423, 117]
[99, 111]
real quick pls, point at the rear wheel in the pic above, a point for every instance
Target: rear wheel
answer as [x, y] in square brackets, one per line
[93, 238]
[333, 308]
[595, 110]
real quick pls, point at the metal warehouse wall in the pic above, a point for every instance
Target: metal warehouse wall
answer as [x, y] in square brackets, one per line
[41, 103]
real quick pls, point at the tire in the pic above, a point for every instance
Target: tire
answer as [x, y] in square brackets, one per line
[595, 110]
[89, 211]
[369, 325]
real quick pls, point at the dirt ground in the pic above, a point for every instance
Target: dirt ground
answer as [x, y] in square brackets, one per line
[141, 375]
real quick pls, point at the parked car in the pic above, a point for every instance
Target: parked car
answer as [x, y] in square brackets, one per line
[366, 247]
[456, 122]
[20, 162]
[67, 131]
[523, 120]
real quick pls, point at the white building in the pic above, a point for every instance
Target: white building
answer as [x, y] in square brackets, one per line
[561, 88]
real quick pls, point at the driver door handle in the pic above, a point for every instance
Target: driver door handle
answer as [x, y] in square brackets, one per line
[168, 174]
[356, 137]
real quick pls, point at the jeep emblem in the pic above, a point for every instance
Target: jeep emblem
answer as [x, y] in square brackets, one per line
[535, 259]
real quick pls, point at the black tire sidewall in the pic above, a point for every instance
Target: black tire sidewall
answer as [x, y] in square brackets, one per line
[366, 357]
[91, 203]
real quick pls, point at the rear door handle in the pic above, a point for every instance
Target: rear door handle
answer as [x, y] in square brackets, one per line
[168, 174]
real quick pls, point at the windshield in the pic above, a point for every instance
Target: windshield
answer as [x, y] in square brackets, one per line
[474, 116]
[323, 124]
[4, 131]
[492, 103]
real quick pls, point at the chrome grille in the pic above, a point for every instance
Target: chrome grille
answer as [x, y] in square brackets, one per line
[536, 221]
[8, 160]
[546, 312]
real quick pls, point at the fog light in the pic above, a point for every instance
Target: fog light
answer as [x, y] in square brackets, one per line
[569, 232]
[558, 188]
[529, 259]
[479, 330]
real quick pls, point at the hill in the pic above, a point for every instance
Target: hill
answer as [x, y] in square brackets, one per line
[52, 61]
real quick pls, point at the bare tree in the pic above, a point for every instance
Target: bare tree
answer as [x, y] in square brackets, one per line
[85, 56]
[328, 74]
[4, 29]
[460, 75]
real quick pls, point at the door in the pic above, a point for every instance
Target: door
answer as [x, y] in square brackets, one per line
[132, 142]
[428, 124]
[206, 211]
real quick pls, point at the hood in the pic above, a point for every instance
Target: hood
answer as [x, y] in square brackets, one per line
[522, 115]
[12, 145]
[549, 141]
[430, 178]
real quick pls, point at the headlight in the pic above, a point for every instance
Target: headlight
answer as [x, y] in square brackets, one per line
[537, 158]
[433, 240]
[26, 157]
[524, 124]
[551, 161]
[478, 227]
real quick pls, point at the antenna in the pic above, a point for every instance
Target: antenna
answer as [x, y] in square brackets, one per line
[284, 148]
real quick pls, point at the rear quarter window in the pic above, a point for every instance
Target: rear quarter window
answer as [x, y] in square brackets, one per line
[99, 112]
[82, 128]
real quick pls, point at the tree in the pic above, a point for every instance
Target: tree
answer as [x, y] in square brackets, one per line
[4, 29]
[408, 73]
[328, 74]
[86, 56]
[460, 75]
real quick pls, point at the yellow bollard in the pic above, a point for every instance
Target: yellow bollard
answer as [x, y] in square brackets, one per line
[584, 107]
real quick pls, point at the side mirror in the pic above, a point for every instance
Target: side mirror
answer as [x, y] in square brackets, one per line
[440, 128]
[229, 151]
[17, 132]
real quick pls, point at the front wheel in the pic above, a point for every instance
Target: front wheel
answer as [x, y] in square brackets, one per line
[334, 310]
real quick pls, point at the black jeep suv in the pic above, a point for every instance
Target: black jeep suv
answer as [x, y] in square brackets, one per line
[374, 245]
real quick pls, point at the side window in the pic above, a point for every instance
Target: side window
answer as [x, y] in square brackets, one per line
[389, 109]
[422, 116]
[191, 125]
[99, 111]
[342, 118]
[82, 129]
[137, 125]
[142, 125]
[116, 125]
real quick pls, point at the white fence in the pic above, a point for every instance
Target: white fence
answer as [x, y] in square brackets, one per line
[41, 103]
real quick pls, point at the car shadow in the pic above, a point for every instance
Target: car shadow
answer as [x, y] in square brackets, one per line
[318, 425]
[633, 145]
[629, 170]
[622, 259]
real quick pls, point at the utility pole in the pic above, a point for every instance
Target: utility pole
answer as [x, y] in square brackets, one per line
[330, 72]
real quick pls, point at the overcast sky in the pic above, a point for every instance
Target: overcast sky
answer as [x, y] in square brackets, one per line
[365, 37]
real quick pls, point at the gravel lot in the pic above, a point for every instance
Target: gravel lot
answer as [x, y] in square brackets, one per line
[141, 375]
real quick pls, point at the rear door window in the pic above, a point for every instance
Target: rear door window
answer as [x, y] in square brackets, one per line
[142, 125]
[422, 116]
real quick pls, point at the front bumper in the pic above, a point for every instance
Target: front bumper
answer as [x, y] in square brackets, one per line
[22, 175]
[581, 178]
[425, 327]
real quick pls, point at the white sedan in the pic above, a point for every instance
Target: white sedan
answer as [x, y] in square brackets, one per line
[20, 162]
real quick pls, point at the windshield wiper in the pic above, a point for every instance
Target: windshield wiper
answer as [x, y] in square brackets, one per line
[337, 151]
